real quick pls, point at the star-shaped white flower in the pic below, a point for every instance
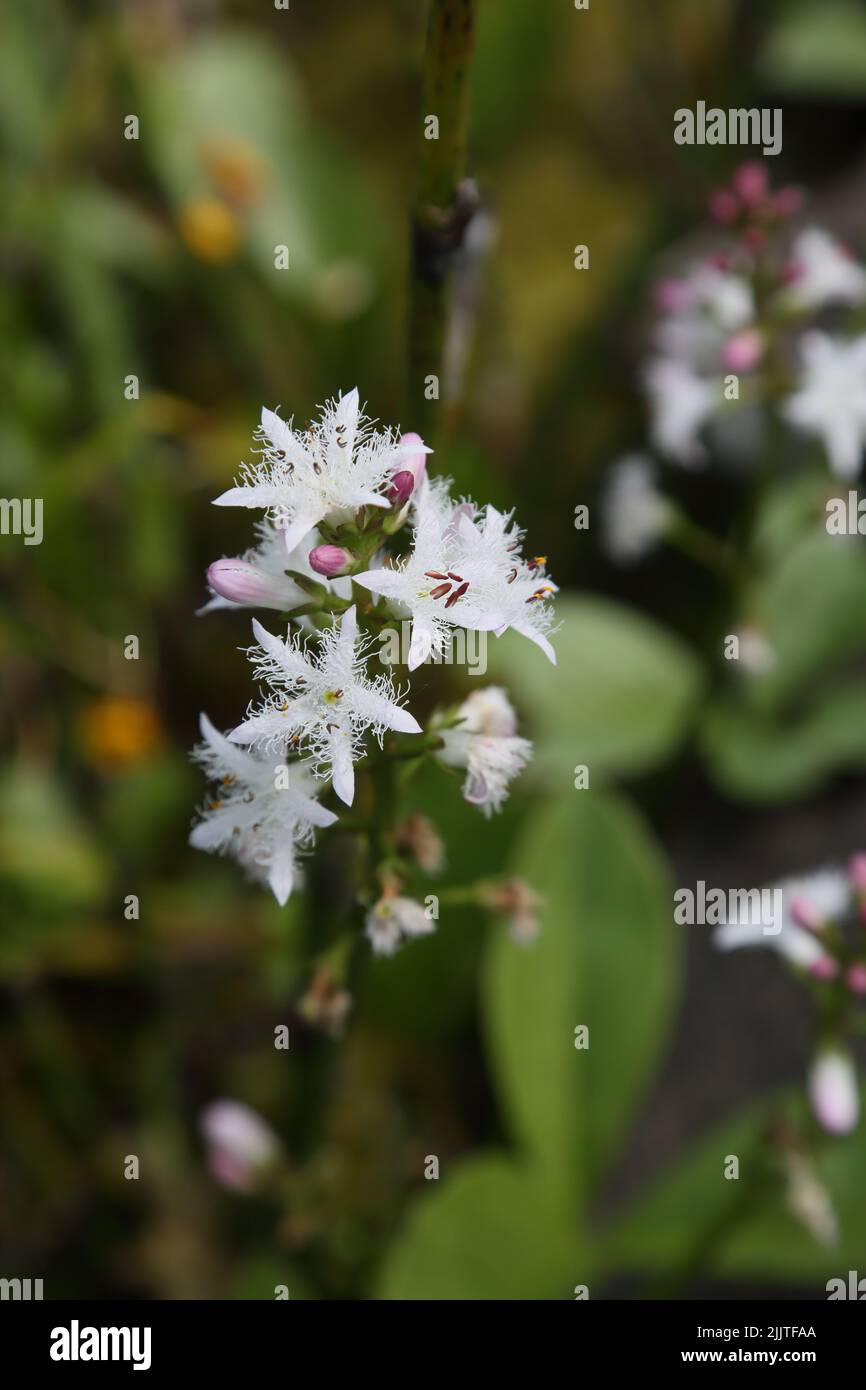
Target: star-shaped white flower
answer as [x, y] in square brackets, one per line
[681, 403]
[263, 811]
[822, 272]
[831, 402]
[485, 742]
[326, 472]
[393, 920]
[465, 570]
[322, 705]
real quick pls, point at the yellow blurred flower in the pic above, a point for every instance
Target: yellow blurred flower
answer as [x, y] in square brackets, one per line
[210, 229]
[236, 169]
[117, 731]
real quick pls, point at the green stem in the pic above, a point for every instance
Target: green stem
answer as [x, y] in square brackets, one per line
[441, 212]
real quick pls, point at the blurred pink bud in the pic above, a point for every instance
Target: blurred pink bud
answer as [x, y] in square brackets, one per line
[855, 978]
[401, 488]
[724, 206]
[720, 260]
[414, 463]
[787, 202]
[330, 560]
[824, 968]
[805, 914]
[670, 296]
[791, 272]
[240, 1145]
[240, 582]
[743, 351]
[857, 871]
[751, 184]
[833, 1094]
[754, 238]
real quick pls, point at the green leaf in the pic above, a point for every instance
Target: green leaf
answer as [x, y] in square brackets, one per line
[761, 758]
[818, 48]
[606, 957]
[45, 849]
[619, 699]
[812, 609]
[490, 1232]
[754, 1240]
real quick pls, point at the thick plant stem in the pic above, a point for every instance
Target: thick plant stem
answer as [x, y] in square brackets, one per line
[443, 205]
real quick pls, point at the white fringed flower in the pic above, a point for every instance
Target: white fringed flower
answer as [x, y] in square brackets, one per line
[680, 403]
[635, 514]
[263, 812]
[833, 1090]
[808, 905]
[485, 742]
[822, 272]
[831, 402]
[326, 472]
[465, 570]
[322, 705]
[393, 920]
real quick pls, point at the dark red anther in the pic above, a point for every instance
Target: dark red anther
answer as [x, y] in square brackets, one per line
[434, 574]
[439, 590]
[458, 593]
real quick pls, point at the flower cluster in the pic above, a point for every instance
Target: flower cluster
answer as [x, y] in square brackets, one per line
[744, 330]
[333, 495]
[821, 938]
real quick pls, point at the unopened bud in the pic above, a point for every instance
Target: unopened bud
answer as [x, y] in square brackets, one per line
[240, 582]
[331, 560]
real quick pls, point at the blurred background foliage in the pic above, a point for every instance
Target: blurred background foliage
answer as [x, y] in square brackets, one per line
[153, 258]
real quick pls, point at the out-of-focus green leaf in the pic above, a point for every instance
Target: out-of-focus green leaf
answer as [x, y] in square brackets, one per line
[812, 610]
[792, 509]
[755, 756]
[760, 1239]
[817, 48]
[619, 700]
[44, 849]
[605, 958]
[490, 1232]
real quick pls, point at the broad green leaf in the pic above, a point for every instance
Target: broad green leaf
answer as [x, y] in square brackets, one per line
[619, 699]
[761, 758]
[606, 958]
[812, 609]
[817, 48]
[694, 1210]
[489, 1232]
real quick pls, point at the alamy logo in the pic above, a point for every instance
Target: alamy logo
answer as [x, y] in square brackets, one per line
[846, 516]
[464, 647]
[21, 1289]
[22, 516]
[854, 1288]
[76, 1343]
[737, 126]
[711, 907]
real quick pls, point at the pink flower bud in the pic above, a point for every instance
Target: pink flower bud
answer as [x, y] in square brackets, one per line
[240, 1145]
[787, 202]
[824, 968]
[416, 462]
[670, 296]
[742, 352]
[754, 238]
[751, 184]
[791, 272]
[805, 914]
[855, 978]
[833, 1094]
[240, 582]
[857, 871]
[330, 560]
[724, 206]
[402, 487]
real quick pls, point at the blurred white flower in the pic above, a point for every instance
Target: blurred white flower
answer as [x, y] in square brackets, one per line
[712, 304]
[822, 272]
[833, 1091]
[634, 512]
[240, 1145]
[465, 570]
[325, 472]
[808, 904]
[485, 742]
[680, 403]
[757, 653]
[809, 1201]
[392, 920]
[831, 401]
[322, 704]
[262, 813]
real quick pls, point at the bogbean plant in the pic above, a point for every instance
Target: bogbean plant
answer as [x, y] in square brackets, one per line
[336, 497]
